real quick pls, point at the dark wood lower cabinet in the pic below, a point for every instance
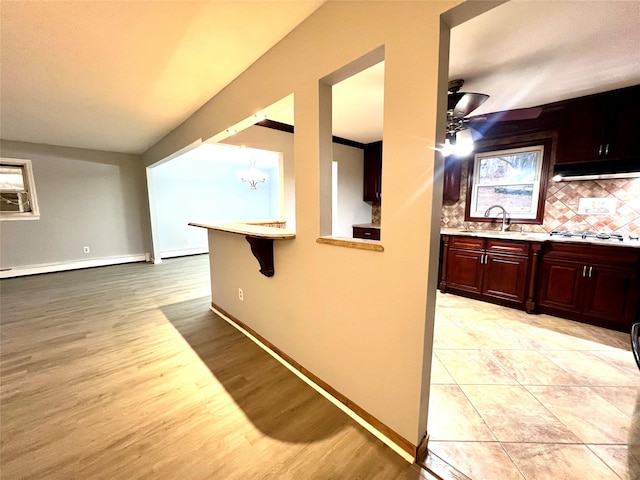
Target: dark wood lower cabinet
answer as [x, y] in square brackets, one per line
[486, 269]
[369, 233]
[505, 277]
[595, 284]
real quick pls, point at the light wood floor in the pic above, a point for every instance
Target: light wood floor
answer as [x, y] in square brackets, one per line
[122, 372]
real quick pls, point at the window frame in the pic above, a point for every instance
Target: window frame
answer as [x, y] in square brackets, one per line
[546, 140]
[30, 190]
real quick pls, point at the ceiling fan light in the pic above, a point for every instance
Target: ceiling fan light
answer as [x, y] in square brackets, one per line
[448, 148]
[464, 143]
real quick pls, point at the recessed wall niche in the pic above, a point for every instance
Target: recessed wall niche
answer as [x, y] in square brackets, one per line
[351, 125]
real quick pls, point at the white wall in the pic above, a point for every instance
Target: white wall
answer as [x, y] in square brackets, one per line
[350, 208]
[202, 186]
[275, 141]
[86, 198]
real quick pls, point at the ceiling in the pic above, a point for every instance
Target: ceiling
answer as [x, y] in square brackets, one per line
[119, 76]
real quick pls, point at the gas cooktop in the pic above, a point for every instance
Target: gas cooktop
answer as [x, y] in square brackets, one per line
[586, 234]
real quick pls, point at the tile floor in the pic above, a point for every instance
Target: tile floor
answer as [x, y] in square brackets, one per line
[518, 396]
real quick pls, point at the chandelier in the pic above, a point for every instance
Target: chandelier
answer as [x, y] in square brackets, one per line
[252, 175]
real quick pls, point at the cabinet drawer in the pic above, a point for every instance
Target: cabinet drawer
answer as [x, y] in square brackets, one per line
[470, 243]
[508, 246]
[368, 233]
[592, 254]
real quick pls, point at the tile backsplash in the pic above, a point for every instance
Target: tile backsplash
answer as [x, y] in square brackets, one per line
[376, 212]
[561, 207]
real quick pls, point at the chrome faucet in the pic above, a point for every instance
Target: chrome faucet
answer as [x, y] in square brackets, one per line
[504, 215]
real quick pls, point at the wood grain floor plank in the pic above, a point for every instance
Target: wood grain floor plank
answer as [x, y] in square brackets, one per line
[122, 372]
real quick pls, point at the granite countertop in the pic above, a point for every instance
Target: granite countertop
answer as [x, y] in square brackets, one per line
[538, 237]
[259, 231]
[366, 225]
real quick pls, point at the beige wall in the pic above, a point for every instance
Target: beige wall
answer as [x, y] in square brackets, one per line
[86, 198]
[360, 320]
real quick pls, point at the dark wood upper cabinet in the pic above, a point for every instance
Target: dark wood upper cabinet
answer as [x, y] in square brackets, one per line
[601, 128]
[451, 179]
[372, 186]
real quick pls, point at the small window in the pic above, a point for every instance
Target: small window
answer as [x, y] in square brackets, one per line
[513, 178]
[17, 190]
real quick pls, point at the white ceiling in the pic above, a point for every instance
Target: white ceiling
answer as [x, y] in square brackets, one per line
[119, 76]
[528, 53]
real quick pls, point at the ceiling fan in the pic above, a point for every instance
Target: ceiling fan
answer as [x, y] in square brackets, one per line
[461, 104]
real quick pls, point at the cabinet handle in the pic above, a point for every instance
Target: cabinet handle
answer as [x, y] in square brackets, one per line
[600, 150]
[590, 270]
[606, 152]
[584, 271]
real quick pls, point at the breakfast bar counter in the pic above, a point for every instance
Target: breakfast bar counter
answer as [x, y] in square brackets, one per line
[260, 238]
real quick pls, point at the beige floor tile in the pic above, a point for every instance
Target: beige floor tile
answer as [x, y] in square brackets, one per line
[558, 461]
[529, 367]
[474, 367]
[589, 416]
[624, 462]
[450, 336]
[439, 374]
[477, 460]
[554, 338]
[535, 337]
[590, 369]
[573, 368]
[514, 415]
[473, 317]
[627, 399]
[495, 337]
[452, 417]
[623, 360]
[601, 336]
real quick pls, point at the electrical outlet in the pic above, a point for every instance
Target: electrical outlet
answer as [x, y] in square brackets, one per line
[240, 295]
[86, 249]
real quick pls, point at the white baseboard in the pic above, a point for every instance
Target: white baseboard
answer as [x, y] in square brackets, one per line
[23, 270]
[183, 252]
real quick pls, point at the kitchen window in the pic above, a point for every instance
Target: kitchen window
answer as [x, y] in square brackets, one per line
[514, 178]
[18, 199]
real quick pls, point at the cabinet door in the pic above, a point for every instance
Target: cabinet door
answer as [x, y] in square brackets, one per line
[464, 269]
[583, 132]
[372, 186]
[601, 128]
[451, 179]
[505, 277]
[559, 284]
[611, 295]
[622, 141]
